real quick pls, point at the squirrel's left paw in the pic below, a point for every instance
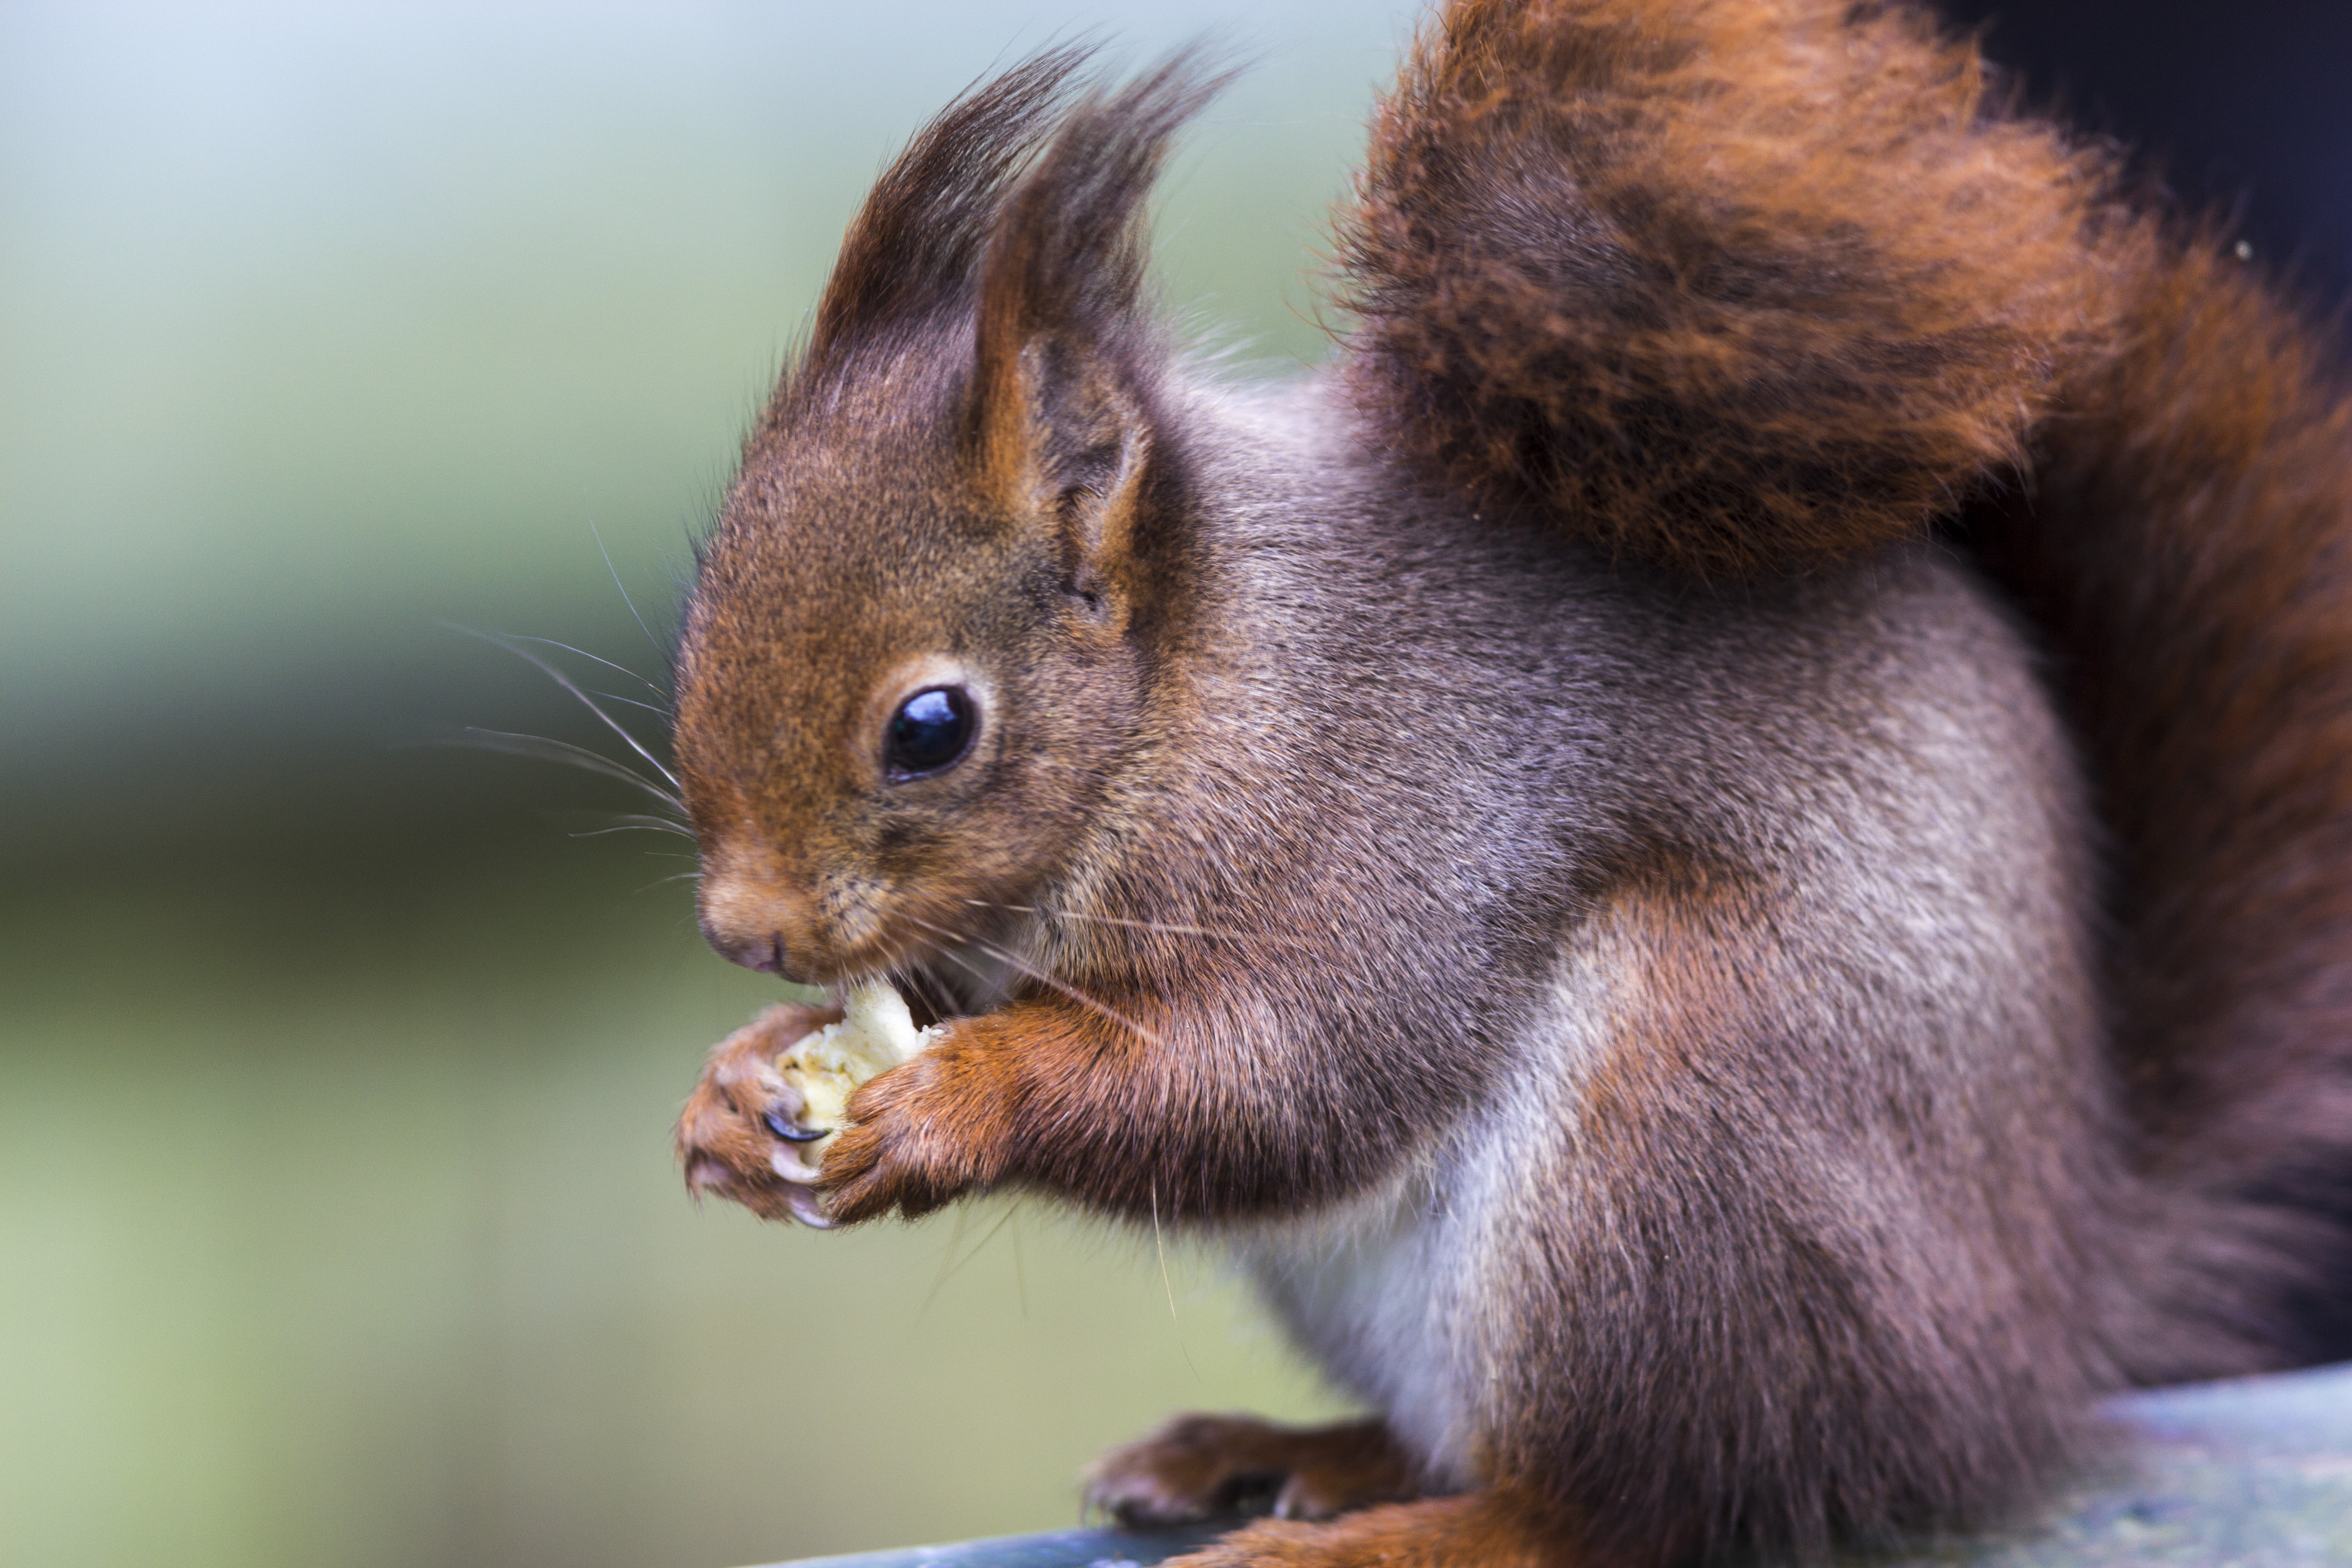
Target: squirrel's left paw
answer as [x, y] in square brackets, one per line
[738, 1136]
[919, 1136]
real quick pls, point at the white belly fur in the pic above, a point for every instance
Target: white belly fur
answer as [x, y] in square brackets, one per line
[1400, 1296]
[1369, 1294]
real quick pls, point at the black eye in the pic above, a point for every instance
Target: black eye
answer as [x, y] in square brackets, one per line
[929, 731]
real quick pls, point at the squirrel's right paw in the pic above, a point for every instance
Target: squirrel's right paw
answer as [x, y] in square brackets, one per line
[738, 1136]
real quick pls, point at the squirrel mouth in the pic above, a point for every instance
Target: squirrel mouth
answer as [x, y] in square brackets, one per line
[948, 977]
[928, 1001]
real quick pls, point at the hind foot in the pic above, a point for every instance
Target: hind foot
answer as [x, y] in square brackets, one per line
[1478, 1529]
[1202, 1467]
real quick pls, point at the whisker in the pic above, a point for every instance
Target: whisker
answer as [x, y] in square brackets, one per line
[650, 826]
[665, 881]
[1273, 939]
[523, 636]
[919, 987]
[1034, 972]
[935, 993]
[895, 975]
[947, 1261]
[589, 702]
[662, 824]
[962, 962]
[624, 587]
[1098, 920]
[955, 1265]
[551, 751]
[1166, 1283]
[662, 713]
[1169, 1284]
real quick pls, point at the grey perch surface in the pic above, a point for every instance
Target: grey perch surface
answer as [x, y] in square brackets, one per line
[2252, 1473]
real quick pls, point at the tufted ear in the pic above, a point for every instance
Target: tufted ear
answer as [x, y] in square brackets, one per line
[1066, 348]
[1063, 444]
[912, 253]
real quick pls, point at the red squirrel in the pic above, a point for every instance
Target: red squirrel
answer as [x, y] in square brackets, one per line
[1721, 856]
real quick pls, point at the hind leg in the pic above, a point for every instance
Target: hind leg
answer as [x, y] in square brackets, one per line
[1476, 1530]
[1198, 1467]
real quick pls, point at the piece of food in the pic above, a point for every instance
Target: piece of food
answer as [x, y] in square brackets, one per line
[823, 1069]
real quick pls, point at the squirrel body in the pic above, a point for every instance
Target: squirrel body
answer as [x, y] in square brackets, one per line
[1639, 849]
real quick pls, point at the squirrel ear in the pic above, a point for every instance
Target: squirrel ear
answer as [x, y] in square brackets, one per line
[1061, 441]
[1064, 346]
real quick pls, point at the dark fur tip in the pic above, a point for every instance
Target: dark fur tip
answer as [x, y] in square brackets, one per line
[1735, 287]
[915, 246]
[1023, 200]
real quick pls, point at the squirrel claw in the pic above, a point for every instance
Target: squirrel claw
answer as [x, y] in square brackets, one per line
[808, 1209]
[738, 1137]
[789, 1131]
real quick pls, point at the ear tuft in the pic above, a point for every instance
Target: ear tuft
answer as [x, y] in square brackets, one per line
[1066, 348]
[1068, 254]
[912, 255]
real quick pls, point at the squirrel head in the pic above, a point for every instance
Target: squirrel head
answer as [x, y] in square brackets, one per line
[912, 659]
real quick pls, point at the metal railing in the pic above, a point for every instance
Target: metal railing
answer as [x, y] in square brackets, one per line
[2252, 1473]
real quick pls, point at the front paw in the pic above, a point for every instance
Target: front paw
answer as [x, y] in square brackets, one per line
[738, 1136]
[920, 1136]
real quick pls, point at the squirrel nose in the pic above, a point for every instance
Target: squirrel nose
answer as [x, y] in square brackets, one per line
[760, 921]
[763, 952]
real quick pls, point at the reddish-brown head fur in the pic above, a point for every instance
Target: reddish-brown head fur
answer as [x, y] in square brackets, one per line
[946, 490]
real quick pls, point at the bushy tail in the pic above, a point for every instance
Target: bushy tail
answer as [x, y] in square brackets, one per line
[1743, 286]
[2185, 545]
[1734, 284]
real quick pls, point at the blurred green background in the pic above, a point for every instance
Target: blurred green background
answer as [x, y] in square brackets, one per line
[337, 1220]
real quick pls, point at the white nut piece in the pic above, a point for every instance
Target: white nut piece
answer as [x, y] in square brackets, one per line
[876, 1034]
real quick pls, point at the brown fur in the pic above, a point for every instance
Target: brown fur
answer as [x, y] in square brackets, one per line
[721, 1141]
[1202, 1467]
[1616, 259]
[1860, 1320]
[1437, 1532]
[1531, 840]
[2186, 546]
